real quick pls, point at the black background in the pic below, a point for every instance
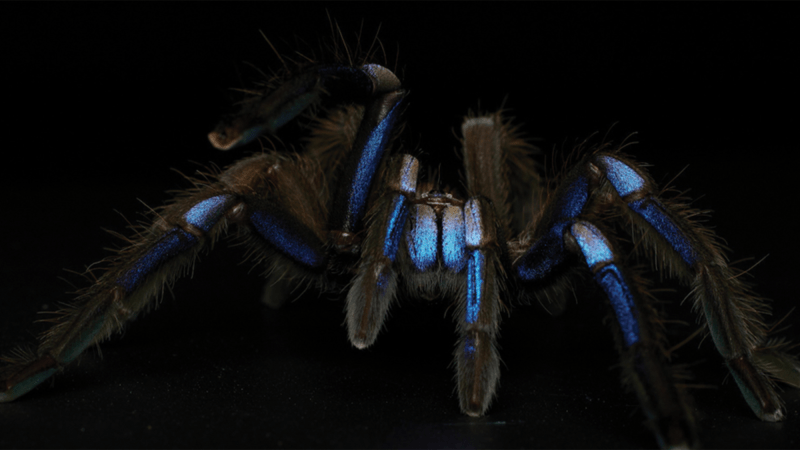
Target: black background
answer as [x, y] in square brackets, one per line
[103, 101]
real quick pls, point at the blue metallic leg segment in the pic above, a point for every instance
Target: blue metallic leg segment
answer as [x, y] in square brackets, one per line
[548, 253]
[374, 287]
[599, 257]
[290, 237]
[120, 294]
[363, 161]
[627, 181]
[641, 359]
[477, 359]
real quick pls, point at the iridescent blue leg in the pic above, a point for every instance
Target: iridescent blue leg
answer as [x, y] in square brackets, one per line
[477, 358]
[641, 358]
[374, 287]
[358, 171]
[548, 253]
[732, 312]
[120, 294]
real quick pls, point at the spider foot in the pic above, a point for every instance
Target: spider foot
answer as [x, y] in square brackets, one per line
[478, 373]
[18, 379]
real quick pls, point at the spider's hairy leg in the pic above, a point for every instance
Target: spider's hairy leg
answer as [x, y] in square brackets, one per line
[499, 164]
[273, 195]
[136, 275]
[477, 358]
[485, 152]
[265, 114]
[374, 287]
[732, 311]
[283, 208]
[362, 162]
[556, 244]
[638, 337]
[372, 85]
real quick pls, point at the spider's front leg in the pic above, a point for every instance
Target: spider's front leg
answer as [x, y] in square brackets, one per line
[374, 287]
[488, 144]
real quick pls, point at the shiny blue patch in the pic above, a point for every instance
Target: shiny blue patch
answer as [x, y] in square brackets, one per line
[611, 280]
[171, 244]
[476, 271]
[545, 255]
[367, 165]
[593, 244]
[473, 224]
[469, 348]
[408, 177]
[453, 239]
[624, 179]
[572, 202]
[394, 229]
[422, 238]
[289, 239]
[654, 214]
[207, 213]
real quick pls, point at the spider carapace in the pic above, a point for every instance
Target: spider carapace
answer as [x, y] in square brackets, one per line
[349, 213]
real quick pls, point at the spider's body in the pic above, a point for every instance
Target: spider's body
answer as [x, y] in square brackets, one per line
[349, 213]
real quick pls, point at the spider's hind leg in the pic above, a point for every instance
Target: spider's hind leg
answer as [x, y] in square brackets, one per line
[639, 338]
[154, 257]
[732, 311]
[275, 197]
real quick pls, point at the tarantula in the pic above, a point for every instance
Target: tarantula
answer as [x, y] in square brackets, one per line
[350, 214]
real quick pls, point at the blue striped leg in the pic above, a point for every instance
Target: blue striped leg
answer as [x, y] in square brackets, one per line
[371, 84]
[374, 287]
[477, 359]
[359, 168]
[732, 312]
[642, 360]
[136, 276]
[548, 258]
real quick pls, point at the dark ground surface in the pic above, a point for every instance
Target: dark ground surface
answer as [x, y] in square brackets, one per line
[106, 99]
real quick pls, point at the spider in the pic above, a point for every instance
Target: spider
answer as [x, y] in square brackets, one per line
[353, 214]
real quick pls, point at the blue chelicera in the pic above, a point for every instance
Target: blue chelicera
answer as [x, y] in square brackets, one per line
[347, 212]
